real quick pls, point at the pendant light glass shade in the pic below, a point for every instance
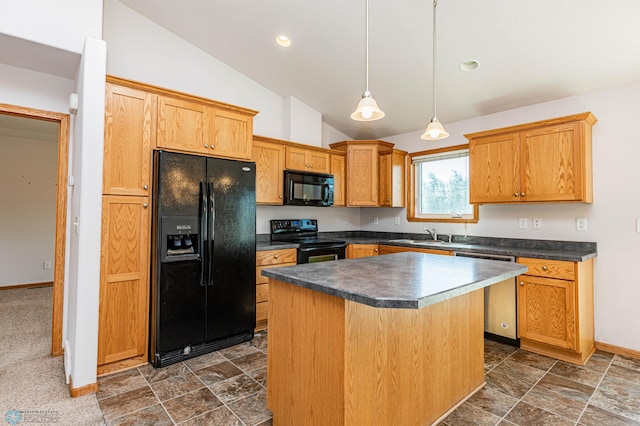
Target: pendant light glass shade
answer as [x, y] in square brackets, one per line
[367, 109]
[434, 131]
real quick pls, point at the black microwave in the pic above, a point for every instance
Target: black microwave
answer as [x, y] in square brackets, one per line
[308, 189]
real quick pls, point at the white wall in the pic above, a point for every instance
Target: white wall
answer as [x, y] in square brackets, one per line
[611, 218]
[83, 256]
[28, 175]
[331, 135]
[62, 24]
[302, 123]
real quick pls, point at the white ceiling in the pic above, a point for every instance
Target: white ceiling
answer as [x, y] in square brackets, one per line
[529, 52]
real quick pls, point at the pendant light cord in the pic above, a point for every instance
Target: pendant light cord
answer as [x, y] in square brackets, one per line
[367, 47]
[435, 3]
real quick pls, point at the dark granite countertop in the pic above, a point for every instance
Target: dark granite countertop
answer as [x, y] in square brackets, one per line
[401, 280]
[572, 251]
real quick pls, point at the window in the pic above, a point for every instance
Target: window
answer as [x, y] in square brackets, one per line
[439, 186]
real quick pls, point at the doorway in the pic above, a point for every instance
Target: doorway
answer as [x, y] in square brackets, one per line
[61, 212]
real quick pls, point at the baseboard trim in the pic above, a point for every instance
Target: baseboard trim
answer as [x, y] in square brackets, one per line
[12, 287]
[83, 390]
[618, 350]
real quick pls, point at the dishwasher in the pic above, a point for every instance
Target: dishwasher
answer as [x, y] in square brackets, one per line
[500, 304]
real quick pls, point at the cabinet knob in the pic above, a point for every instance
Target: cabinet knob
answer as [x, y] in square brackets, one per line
[522, 194]
[544, 268]
[146, 187]
[206, 145]
[388, 199]
[515, 194]
[213, 147]
[521, 283]
[276, 256]
[280, 196]
[145, 205]
[375, 250]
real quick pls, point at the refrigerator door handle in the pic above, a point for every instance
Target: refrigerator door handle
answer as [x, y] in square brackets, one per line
[203, 233]
[211, 218]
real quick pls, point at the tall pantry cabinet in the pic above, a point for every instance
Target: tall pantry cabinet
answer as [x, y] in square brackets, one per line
[124, 259]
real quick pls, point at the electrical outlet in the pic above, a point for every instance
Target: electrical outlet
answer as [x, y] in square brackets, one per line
[537, 223]
[46, 264]
[581, 224]
[375, 220]
[522, 223]
[638, 224]
[397, 221]
[346, 219]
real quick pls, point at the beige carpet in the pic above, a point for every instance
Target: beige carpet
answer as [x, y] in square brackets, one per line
[32, 384]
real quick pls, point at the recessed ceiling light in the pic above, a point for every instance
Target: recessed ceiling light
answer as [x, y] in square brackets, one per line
[469, 65]
[283, 41]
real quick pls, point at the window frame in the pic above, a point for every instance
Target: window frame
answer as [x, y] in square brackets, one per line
[411, 188]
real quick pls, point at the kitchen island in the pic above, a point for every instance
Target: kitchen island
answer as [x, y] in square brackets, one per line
[395, 339]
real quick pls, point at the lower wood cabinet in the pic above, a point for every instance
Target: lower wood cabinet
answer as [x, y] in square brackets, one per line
[555, 309]
[361, 250]
[268, 259]
[383, 249]
[124, 283]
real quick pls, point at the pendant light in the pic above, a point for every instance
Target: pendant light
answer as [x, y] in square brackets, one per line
[367, 109]
[434, 131]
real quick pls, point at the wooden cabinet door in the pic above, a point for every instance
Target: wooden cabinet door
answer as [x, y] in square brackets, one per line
[124, 279]
[362, 175]
[494, 169]
[385, 183]
[296, 158]
[551, 159]
[338, 171]
[128, 132]
[361, 250]
[318, 161]
[269, 158]
[547, 311]
[181, 125]
[230, 133]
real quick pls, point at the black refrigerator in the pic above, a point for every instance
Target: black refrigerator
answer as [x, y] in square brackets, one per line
[203, 293]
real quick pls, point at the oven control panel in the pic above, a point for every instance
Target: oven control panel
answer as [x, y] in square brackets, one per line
[293, 225]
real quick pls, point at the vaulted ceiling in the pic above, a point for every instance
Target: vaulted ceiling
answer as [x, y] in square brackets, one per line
[529, 52]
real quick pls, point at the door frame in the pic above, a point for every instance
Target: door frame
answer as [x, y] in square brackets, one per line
[61, 212]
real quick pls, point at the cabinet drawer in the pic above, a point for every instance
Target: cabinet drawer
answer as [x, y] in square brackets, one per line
[274, 257]
[262, 293]
[261, 279]
[549, 268]
[262, 311]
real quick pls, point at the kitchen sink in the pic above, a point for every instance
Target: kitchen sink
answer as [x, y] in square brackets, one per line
[419, 242]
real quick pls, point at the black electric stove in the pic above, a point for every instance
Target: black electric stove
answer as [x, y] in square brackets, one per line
[304, 232]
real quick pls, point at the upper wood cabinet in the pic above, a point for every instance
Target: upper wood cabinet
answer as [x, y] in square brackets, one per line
[306, 158]
[392, 178]
[181, 125]
[269, 157]
[544, 161]
[364, 174]
[229, 133]
[198, 126]
[129, 128]
[339, 170]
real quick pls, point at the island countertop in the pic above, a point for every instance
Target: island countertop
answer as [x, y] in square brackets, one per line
[402, 280]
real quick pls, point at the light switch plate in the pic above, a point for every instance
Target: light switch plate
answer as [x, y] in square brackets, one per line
[397, 220]
[522, 223]
[638, 224]
[581, 224]
[375, 220]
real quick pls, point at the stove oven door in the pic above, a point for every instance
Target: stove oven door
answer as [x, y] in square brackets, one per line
[321, 254]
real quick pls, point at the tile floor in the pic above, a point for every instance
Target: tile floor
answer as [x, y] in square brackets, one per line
[228, 387]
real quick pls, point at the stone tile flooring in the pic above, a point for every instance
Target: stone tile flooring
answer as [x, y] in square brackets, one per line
[228, 387]
[529, 389]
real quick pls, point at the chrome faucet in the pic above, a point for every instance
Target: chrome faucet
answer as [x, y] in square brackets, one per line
[431, 232]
